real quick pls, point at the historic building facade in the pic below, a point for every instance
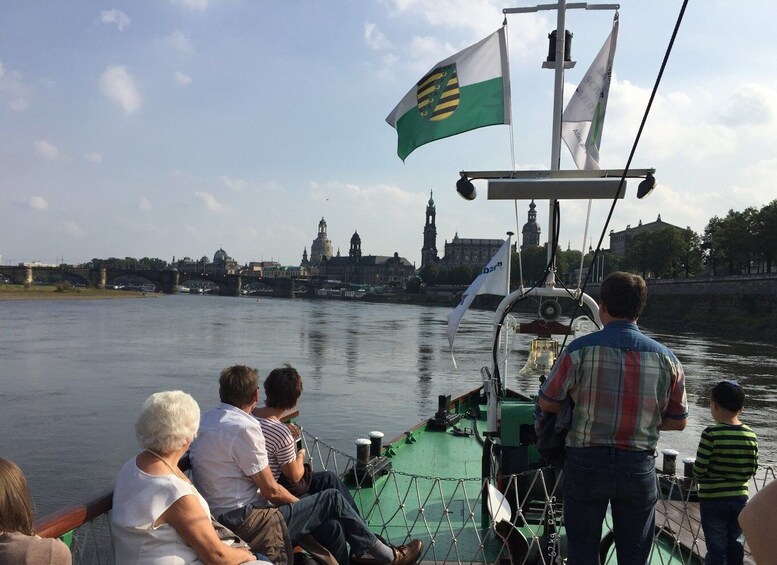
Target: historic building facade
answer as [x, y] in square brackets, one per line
[367, 269]
[474, 253]
[222, 264]
[619, 241]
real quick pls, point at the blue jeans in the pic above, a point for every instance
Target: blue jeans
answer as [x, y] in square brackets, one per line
[322, 480]
[722, 533]
[626, 480]
[311, 514]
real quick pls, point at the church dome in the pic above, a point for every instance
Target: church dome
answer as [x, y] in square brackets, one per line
[220, 256]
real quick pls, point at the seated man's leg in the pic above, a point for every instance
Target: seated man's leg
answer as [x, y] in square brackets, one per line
[331, 535]
[322, 480]
[306, 515]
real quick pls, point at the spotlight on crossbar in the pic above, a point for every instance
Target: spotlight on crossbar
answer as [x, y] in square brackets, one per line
[465, 188]
[646, 186]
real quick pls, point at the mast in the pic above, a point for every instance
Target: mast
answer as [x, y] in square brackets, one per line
[559, 65]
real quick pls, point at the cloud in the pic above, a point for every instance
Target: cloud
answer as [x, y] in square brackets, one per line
[47, 150]
[375, 38]
[240, 185]
[476, 15]
[118, 85]
[180, 42]
[94, 157]
[72, 229]
[38, 203]
[182, 79]
[144, 204]
[197, 5]
[210, 202]
[13, 90]
[117, 17]
[749, 105]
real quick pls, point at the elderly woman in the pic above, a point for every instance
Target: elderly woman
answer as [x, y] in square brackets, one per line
[18, 543]
[158, 516]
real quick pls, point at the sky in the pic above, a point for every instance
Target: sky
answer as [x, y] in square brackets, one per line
[171, 128]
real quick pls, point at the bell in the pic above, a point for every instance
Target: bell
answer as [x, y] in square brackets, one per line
[542, 354]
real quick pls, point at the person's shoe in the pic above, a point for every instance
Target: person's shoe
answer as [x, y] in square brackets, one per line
[408, 553]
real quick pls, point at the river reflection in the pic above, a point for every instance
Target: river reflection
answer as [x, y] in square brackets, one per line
[73, 374]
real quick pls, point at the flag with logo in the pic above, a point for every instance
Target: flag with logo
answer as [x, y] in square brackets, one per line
[468, 90]
[494, 279]
[583, 119]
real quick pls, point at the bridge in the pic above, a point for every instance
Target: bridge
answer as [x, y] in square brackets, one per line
[165, 281]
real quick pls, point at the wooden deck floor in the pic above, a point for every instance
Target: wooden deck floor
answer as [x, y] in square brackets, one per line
[683, 519]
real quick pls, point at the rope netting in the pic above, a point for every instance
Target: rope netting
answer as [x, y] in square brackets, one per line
[449, 514]
[460, 522]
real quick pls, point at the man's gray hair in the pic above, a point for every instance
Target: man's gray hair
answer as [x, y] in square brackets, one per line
[167, 420]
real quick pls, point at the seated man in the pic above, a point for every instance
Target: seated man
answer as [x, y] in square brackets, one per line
[230, 469]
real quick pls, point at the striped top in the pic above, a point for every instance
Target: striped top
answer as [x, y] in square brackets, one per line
[623, 384]
[726, 460]
[279, 441]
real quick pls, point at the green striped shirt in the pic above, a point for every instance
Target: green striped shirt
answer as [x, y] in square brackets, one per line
[726, 460]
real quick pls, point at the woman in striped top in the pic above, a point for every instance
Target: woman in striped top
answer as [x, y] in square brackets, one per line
[726, 460]
[282, 389]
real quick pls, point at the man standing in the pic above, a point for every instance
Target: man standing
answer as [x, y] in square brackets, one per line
[625, 387]
[230, 469]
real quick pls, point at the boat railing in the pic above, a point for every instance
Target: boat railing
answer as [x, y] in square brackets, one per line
[448, 513]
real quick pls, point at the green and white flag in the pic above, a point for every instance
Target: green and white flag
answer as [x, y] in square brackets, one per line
[468, 90]
[583, 119]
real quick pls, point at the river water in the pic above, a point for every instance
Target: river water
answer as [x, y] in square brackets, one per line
[73, 374]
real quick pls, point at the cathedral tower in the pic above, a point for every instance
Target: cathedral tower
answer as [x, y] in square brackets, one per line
[322, 246]
[429, 250]
[355, 252]
[531, 229]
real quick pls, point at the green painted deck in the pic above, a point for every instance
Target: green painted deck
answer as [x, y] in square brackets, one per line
[433, 492]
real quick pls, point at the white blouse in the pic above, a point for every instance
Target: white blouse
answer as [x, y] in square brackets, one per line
[139, 499]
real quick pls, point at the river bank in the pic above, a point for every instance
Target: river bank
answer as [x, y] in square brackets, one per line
[746, 315]
[51, 292]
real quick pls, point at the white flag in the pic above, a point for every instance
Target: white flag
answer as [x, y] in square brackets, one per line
[494, 279]
[583, 119]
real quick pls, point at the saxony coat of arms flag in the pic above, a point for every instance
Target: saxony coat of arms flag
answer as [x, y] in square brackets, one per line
[468, 90]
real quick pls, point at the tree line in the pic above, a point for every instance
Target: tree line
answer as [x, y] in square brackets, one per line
[128, 263]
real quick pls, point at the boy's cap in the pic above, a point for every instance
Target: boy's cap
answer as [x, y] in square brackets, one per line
[729, 395]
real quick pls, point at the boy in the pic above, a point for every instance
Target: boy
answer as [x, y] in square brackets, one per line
[726, 460]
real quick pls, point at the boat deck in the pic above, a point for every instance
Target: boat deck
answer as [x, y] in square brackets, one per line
[683, 519]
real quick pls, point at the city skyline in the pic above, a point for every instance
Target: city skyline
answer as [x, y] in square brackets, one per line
[158, 129]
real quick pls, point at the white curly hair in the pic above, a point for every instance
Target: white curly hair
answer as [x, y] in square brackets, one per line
[167, 421]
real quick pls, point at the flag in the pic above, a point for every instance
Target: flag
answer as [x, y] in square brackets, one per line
[583, 119]
[494, 279]
[468, 90]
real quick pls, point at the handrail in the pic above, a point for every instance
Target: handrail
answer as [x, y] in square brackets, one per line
[71, 517]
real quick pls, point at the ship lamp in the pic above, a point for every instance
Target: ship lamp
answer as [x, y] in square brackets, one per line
[542, 354]
[465, 188]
